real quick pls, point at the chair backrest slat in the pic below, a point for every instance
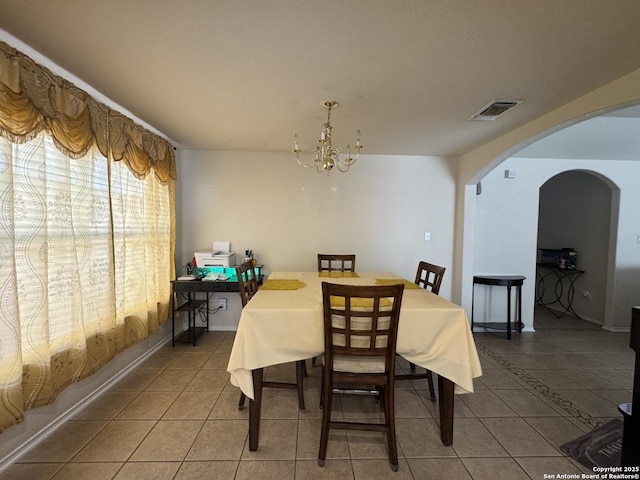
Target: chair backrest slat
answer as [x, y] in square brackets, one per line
[336, 262]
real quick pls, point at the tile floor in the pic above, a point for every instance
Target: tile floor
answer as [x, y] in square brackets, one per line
[175, 417]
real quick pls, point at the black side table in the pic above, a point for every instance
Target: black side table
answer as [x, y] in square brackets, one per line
[501, 281]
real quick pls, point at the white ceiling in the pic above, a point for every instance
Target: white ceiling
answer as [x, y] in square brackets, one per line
[248, 74]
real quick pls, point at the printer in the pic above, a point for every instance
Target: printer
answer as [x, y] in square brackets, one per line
[219, 256]
[215, 258]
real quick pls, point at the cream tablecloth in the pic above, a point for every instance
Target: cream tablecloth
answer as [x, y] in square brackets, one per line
[284, 325]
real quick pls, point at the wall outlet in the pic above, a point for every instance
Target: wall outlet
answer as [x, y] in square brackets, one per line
[222, 304]
[427, 236]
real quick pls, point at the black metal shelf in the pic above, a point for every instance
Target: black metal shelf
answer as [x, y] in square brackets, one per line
[191, 305]
[190, 288]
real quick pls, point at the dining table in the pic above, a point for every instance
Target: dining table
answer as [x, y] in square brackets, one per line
[283, 322]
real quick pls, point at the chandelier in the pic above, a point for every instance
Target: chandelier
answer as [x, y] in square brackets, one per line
[327, 157]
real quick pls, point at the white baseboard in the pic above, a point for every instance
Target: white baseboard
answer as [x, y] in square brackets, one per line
[617, 329]
[223, 328]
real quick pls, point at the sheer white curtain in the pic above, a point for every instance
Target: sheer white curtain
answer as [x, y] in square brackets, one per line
[85, 265]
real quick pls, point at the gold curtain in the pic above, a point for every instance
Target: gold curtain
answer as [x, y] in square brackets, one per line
[87, 237]
[33, 99]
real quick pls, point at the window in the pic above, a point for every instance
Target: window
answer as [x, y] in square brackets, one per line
[84, 265]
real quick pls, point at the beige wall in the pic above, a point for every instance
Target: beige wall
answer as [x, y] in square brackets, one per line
[379, 210]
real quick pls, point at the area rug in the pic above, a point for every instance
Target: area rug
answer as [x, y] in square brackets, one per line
[599, 448]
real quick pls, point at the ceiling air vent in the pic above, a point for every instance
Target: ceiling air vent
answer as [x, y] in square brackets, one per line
[495, 109]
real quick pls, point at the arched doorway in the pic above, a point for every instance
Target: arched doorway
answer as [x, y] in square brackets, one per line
[475, 165]
[575, 211]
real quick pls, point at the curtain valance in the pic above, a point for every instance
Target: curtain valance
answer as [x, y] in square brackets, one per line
[33, 99]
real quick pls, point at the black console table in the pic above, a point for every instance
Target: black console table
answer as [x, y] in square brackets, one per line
[508, 281]
[563, 280]
[193, 304]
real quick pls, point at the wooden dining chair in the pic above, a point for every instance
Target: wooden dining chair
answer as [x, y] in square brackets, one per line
[248, 286]
[429, 277]
[336, 262]
[360, 335]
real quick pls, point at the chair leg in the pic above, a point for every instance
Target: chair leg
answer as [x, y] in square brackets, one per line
[300, 371]
[313, 361]
[431, 389]
[391, 426]
[321, 402]
[432, 392]
[326, 418]
[381, 400]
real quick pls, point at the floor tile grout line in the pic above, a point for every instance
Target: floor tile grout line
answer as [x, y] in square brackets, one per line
[541, 387]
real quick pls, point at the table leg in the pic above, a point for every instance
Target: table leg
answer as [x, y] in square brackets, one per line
[173, 318]
[255, 406]
[571, 294]
[473, 296]
[508, 312]
[520, 324]
[446, 398]
[207, 311]
[193, 328]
